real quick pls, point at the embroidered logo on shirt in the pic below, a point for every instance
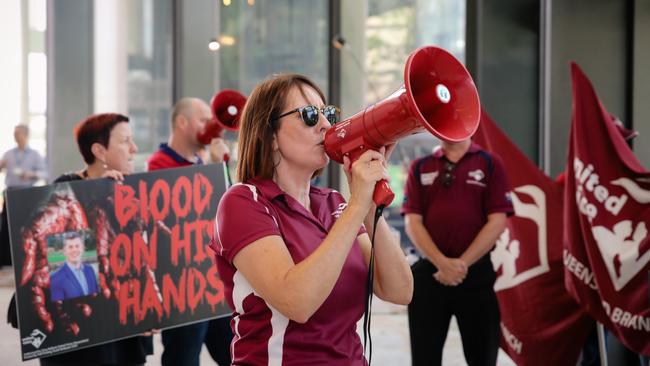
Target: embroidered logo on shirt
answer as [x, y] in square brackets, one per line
[427, 179]
[476, 177]
[339, 210]
[477, 174]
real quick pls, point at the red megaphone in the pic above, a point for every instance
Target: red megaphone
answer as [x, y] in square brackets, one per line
[227, 106]
[438, 95]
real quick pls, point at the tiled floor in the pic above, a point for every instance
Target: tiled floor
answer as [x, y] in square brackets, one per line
[390, 336]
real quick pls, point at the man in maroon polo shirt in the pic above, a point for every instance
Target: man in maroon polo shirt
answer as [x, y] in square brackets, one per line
[455, 206]
[189, 117]
[183, 344]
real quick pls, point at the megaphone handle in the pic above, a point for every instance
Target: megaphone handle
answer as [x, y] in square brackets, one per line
[383, 195]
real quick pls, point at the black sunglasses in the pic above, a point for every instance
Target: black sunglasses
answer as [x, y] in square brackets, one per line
[309, 114]
[448, 178]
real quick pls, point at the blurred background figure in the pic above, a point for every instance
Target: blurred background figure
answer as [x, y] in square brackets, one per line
[23, 167]
[189, 117]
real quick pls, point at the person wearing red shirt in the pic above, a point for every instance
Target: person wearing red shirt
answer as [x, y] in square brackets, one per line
[183, 344]
[189, 117]
[455, 206]
[293, 256]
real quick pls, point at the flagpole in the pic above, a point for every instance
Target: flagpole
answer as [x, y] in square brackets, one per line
[226, 173]
[602, 346]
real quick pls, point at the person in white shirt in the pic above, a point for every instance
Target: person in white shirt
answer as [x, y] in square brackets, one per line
[24, 166]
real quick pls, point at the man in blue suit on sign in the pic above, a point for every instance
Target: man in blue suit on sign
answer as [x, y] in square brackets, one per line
[74, 278]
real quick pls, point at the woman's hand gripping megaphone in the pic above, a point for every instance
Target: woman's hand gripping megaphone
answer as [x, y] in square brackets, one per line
[369, 169]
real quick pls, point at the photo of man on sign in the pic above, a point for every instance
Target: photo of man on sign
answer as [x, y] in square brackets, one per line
[74, 277]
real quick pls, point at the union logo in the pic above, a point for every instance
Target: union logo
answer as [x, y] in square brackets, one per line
[509, 250]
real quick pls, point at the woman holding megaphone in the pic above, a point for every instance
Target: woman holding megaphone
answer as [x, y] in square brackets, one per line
[294, 257]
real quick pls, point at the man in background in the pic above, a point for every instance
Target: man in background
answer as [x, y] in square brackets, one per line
[189, 118]
[455, 206]
[183, 344]
[23, 167]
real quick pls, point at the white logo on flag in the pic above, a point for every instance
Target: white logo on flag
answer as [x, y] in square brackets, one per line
[620, 250]
[619, 246]
[637, 193]
[507, 251]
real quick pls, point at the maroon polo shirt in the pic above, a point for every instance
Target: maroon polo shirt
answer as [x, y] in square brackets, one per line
[454, 214]
[257, 209]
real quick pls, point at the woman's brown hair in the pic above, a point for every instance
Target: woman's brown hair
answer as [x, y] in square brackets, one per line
[258, 124]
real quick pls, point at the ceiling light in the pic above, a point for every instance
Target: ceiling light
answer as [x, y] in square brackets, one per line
[214, 45]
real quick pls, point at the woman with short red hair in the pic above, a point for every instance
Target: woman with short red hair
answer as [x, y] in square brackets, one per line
[106, 144]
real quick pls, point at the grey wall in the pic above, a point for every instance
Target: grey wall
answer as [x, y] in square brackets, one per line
[593, 34]
[610, 40]
[70, 79]
[353, 82]
[503, 57]
[641, 81]
[517, 63]
[195, 65]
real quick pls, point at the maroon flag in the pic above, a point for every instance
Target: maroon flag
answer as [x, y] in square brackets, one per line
[540, 323]
[607, 197]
